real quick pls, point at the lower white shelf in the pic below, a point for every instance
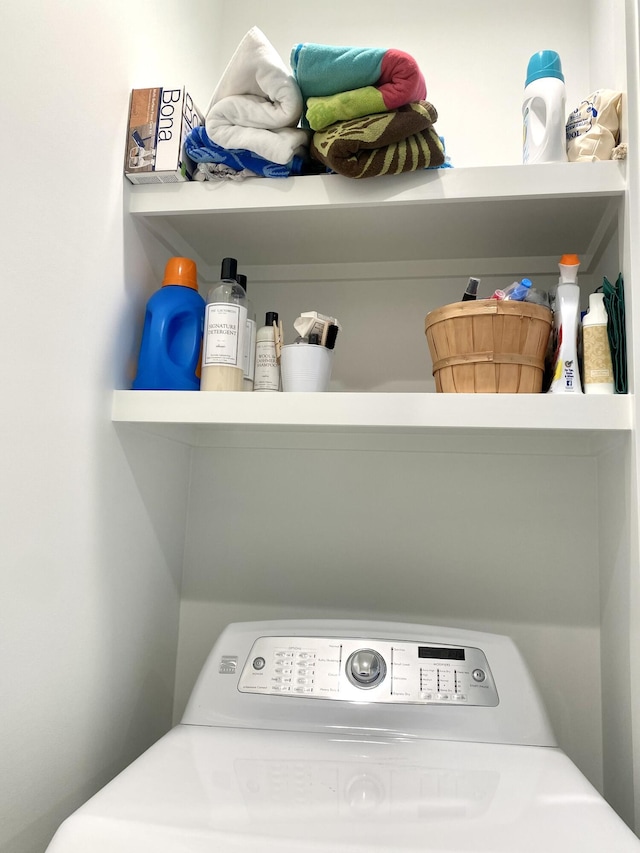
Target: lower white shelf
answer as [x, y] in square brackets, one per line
[362, 411]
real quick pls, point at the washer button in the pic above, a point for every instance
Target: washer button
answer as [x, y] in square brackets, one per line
[478, 675]
[258, 663]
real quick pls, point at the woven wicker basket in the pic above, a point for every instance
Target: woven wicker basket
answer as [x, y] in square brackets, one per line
[489, 346]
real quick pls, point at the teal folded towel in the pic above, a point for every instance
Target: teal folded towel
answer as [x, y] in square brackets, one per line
[322, 69]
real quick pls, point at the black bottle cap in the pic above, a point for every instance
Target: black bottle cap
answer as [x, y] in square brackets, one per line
[271, 318]
[229, 269]
[332, 334]
[314, 338]
[242, 281]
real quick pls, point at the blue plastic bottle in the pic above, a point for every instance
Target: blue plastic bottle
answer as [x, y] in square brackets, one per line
[172, 335]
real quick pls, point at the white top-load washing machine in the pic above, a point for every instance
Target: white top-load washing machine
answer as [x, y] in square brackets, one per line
[315, 736]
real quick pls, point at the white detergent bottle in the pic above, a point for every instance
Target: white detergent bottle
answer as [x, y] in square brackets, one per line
[596, 352]
[544, 138]
[566, 323]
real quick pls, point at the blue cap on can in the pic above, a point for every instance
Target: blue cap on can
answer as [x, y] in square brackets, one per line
[545, 63]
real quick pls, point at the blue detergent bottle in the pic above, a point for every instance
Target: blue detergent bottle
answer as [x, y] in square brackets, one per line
[171, 344]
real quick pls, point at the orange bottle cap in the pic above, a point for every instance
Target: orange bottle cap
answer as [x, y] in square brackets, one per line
[569, 260]
[181, 271]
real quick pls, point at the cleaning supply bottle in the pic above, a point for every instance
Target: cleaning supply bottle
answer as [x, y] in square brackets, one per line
[597, 368]
[518, 291]
[471, 292]
[225, 327]
[566, 323]
[543, 110]
[249, 364]
[172, 335]
[267, 376]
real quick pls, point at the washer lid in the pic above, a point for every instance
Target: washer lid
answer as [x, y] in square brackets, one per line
[239, 791]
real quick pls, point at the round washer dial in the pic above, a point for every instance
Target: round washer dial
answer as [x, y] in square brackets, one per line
[366, 668]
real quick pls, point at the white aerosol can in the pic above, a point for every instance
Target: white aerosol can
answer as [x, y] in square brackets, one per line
[544, 132]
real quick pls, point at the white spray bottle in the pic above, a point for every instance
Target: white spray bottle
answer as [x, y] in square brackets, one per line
[566, 322]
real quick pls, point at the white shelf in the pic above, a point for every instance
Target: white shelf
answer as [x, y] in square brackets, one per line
[508, 211]
[333, 412]
[506, 215]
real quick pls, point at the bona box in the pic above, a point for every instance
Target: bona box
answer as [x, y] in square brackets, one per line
[159, 121]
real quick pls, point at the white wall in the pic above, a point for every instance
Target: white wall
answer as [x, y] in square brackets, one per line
[494, 541]
[528, 578]
[473, 55]
[632, 260]
[93, 519]
[92, 525]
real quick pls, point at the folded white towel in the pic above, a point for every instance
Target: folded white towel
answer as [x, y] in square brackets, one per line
[257, 103]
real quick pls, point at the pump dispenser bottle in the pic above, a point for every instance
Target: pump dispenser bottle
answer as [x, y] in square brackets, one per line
[225, 326]
[566, 324]
[596, 352]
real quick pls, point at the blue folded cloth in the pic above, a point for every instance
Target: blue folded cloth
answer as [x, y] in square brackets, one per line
[201, 149]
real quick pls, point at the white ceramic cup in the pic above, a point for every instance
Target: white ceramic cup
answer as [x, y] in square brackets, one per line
[305, 367]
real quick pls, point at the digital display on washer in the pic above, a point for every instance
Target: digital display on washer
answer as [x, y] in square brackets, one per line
[440, 654]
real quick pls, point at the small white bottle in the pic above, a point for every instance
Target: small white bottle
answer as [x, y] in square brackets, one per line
[249, 364]
[267, 372]
[225, 323]
[596, 352]
[544, 121]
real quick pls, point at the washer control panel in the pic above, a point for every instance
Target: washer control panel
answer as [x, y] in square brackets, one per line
[369, 670]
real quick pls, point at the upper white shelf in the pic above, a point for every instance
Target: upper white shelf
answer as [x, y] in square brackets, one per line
[508, 211]
[333, 412]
